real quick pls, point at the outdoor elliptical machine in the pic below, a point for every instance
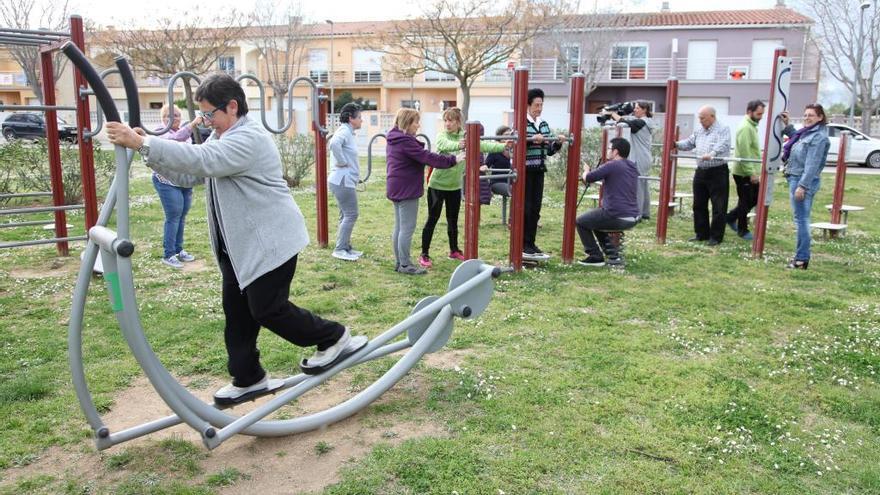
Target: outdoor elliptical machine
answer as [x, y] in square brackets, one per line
[427, 329]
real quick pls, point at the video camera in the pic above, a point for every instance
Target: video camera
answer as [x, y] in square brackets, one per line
[625, 108]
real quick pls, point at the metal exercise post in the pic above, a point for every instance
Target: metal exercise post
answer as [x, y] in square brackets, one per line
[472, 190]
[572, 177]
[83, 119]
[839, 180]
[47, 74]
[518, 163]
[772, 157]
[320, 128]
[666, 171]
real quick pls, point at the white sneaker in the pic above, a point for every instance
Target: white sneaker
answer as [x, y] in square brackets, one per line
[173, 262]
[185, 257]
[355, 252]
[322, 360]
[230, 394]
[343, 255]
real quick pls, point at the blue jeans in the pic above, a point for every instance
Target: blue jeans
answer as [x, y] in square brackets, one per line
[176, 202]
[801, 211]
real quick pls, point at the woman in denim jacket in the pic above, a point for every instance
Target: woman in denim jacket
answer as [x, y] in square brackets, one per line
[805, 154]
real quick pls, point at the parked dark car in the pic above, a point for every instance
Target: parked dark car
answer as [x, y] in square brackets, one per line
[33, 126]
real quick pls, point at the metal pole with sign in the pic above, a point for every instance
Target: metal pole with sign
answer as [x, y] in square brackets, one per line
[772, 158]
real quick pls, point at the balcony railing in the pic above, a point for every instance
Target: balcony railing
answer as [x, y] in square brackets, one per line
[660, 69]
[13, 79]
[154, 81]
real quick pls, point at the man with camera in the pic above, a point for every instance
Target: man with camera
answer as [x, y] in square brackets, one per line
[641, 124]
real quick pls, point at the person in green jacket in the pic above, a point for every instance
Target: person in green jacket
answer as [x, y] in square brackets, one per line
[746, 175]
[445, 185]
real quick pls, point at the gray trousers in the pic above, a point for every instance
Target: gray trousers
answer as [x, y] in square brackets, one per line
[406, 213]
[346, 198]
[643, 197]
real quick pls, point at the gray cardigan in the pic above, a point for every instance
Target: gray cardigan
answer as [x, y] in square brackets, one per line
[247, 198]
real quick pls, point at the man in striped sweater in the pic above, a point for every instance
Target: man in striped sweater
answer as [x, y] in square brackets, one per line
[541, 144]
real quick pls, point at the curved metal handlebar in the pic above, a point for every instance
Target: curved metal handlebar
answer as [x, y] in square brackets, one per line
[131, 92]
[370, 156]
[426, 138]
[171, 82]
[282, 130]
[101, 93]
[370, 152]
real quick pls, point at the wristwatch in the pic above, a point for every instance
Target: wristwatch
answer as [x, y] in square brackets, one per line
[144, 151]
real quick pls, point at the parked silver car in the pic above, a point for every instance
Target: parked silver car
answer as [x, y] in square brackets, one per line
[863, 150]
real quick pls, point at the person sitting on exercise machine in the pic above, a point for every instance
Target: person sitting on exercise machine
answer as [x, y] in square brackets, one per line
[619, 210]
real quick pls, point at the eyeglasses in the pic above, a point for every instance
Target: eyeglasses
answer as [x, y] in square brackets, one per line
[209, 115]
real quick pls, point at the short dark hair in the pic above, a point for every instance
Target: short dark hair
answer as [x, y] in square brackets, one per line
[349, 111]
[621, 145]
[820, 111]
[754, 105]
[502, 130]
[647, 106]
[535, 93]
[219, 90]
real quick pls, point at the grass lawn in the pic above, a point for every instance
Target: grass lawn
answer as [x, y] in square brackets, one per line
[694, 370]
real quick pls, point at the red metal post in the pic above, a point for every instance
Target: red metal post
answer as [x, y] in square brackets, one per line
[84, 123]
[572, 180]
[666, 172]
[761, 208]
[321, 169]
[518, 195]
[47, 74]
[839, 180]
[472, 190]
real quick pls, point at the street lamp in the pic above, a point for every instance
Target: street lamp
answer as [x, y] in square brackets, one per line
[858, 65]
[332, 96]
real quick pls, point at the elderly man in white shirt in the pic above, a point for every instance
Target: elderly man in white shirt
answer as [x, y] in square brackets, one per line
[711, 143]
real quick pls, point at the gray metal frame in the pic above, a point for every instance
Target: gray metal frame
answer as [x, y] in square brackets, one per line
[428, 327]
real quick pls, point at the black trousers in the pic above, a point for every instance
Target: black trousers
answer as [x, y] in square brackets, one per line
[532, 204]
[747, 194]
[593, 227]
[711, 185]
[436, 199]
[265, 302]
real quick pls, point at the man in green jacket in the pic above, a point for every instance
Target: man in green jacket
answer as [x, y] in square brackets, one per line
[746, 175]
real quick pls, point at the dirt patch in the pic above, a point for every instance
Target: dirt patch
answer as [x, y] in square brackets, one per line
[291, 464]
[58, 267]
[199, 265]
[449, 359]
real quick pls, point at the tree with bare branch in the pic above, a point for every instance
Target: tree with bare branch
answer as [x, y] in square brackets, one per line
[582, 43]
[179, 43]
[837, 35]
[464, 38]
[280, 36]
[32, 14]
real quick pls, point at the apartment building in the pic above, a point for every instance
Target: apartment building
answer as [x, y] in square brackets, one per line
[722, 58]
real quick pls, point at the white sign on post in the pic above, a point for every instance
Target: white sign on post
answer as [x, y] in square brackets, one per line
[774, 143]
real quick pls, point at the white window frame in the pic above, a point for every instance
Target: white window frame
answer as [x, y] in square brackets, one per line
[629, 44]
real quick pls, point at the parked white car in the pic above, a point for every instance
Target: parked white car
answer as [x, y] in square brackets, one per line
[863, 150]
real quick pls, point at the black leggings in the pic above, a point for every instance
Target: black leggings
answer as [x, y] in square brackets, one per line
[436, 198]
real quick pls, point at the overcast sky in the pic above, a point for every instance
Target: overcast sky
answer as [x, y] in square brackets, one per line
[115, 12]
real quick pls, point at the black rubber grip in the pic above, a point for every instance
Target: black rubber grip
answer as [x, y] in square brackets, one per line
[125, 249]
[103, 96]
[131, 92]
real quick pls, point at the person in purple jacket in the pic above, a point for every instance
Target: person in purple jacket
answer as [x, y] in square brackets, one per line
[176, 200]
[406, 158]
[619, 210]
